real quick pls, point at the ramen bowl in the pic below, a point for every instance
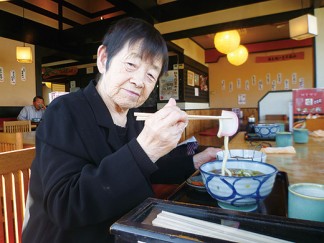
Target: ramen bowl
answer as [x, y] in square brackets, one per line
[238, 193]
[266, 130]
[243, 154]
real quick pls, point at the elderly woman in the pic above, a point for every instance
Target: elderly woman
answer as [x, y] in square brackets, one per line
[94, 162]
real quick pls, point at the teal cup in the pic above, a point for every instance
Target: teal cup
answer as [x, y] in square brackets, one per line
[306, 201]
[300, 135]
[281, 126]
[283, 139]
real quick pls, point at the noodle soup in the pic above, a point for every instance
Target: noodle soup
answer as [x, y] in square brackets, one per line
[241, 172]
[241, 191]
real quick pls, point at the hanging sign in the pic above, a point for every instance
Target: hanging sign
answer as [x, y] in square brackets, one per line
[13, 77]
[279, 58]
[58, 73]
[23, 74]
[1, 74]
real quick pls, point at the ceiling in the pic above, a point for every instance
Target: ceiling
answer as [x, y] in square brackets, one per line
[72, 29]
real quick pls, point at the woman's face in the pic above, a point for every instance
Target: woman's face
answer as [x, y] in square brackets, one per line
[129, 79]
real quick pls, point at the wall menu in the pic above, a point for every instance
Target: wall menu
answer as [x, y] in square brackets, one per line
[307, 103]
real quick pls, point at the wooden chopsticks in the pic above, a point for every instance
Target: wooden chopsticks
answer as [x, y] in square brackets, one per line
[141, 116]
[195, 226]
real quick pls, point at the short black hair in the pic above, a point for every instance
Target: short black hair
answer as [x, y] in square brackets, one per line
[38, 97]
[133, 30]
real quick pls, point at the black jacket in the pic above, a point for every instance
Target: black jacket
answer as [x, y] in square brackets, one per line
[84, 177]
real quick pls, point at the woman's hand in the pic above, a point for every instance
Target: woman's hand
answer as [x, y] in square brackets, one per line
[209, 154]
[162, 130]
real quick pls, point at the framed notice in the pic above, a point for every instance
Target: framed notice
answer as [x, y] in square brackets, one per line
[169, 85]
[190, 78]
[196, 79]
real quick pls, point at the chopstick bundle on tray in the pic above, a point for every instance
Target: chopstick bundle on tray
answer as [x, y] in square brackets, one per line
[195, 226]
[142, 116]
[228, 125]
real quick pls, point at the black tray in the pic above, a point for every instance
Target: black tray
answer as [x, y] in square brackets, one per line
[137, 224]
[255, 137]
[275, 204]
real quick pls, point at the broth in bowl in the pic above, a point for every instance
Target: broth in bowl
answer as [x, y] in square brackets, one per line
[240, 172]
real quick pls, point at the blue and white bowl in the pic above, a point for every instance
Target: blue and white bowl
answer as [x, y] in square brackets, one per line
[267, 130]
[243, 154]
[234, 192]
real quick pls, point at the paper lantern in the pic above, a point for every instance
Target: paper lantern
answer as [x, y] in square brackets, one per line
[48, 84]
[238, 56]
[24, 54]
[227, 41]
[303, 27]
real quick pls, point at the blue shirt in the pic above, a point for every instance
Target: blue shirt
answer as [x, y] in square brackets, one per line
[30, 112]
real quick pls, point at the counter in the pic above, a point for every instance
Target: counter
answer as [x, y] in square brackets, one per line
[307, 165]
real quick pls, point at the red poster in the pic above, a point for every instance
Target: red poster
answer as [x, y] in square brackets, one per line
[307, 103]
[279, 58]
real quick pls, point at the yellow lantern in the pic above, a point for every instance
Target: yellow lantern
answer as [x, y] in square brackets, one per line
[227, 41]
[24, 54]
[48, 84]
[238, 56]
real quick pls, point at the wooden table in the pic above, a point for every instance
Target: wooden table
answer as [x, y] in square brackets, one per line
[307, 165]
[29, 139]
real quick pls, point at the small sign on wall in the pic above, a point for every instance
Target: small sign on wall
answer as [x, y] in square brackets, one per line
[241, 99]
[1, 74]
[196, 92]
[13, 77]
[72, 84]
[23, 74]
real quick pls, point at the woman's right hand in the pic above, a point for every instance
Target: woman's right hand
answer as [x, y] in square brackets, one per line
[162, 130]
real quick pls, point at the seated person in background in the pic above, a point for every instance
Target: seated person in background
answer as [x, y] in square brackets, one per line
[94, 161]
[36, 110]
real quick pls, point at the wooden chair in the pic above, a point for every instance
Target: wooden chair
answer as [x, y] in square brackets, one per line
[15, 174]
[10, 141]
[17, 126]
[315, 124]
[276, 117]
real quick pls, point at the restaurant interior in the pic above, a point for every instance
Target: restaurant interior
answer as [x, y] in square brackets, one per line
[262, 84]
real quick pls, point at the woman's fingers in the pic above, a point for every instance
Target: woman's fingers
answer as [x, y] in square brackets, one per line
[163, 130]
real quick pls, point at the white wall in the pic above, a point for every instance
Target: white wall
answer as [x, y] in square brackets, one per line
[270, 103]
[319, 48]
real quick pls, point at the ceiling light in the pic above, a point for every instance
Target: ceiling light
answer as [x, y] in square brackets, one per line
[161, 2]
[227, 41]
[24, 54]
[48, 84]
[238, 56]
[303, 27]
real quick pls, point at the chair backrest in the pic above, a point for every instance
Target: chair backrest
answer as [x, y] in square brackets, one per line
[15, 174]
[10, 141]
[17, 126]
[276, 117]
